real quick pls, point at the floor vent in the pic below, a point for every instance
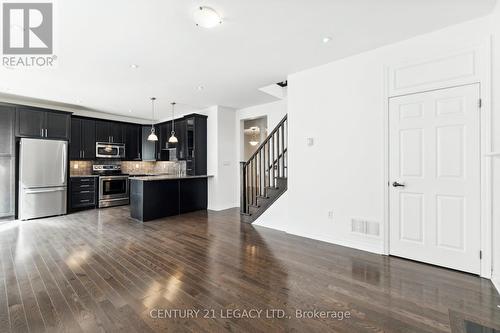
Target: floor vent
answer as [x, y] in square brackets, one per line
[365, 227]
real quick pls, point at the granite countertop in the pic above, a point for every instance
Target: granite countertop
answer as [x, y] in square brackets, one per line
[83, 176]
[147, 174]
[166, 177]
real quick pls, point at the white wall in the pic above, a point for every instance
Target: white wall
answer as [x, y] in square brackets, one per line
[342, 105]
[221, 158]
[496, 144]
[275, 111]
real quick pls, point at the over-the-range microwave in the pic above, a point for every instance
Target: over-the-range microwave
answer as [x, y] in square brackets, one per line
[109, 150]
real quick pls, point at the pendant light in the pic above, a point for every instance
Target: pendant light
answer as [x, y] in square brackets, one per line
[153, 136]
[254, 140]
[173, 138]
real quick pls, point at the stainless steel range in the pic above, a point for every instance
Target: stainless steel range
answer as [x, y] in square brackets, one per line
[113, 185]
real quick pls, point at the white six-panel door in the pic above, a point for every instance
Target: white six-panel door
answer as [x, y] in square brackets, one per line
[434, 151]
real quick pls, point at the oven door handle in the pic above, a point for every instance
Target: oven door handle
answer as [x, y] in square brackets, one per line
[113, 178]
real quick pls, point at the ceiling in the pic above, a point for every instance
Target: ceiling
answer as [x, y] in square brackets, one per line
[259, 43]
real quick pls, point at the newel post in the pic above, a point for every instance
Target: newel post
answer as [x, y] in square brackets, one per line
[243, 187]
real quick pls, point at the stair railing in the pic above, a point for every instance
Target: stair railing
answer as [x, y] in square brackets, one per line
[270, 161]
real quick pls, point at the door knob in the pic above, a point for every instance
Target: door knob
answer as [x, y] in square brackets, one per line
[396, 184]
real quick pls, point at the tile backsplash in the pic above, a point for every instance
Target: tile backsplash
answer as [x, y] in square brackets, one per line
[78, 168]
[160, 167]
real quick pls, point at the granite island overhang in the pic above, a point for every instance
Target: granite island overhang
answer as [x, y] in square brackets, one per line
[154, 197]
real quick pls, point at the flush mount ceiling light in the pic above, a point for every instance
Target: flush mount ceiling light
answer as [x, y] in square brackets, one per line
[207, 17]
[152, 136]
[326, 40]
[173, 138]
[134, 66]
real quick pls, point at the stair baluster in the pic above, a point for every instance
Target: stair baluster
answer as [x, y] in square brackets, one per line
[260, 173]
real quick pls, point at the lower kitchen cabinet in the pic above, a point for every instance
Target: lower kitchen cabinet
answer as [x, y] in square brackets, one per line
[192, 195]
[83, 193]
[153, 198]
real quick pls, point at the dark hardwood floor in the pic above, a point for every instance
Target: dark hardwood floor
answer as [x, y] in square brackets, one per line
[99, 270]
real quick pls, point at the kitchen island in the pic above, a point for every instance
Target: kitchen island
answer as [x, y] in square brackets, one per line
[153, 197]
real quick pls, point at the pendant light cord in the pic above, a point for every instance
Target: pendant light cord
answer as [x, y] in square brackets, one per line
[153, 112]
[173, 105]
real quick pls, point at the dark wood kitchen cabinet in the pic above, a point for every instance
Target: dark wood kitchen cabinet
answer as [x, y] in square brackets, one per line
[133, 141]
[193, 194]
[196, 144]
[180, 133]
[57, 125]
[7, 161]
[153, 198]
[109, 131]
[191, 133]
[83, 193]
[148, 152]
[162, 144]
[83, 138]
[41, 123]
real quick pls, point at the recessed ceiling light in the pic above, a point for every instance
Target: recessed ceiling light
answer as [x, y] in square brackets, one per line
[78, 101]
[326, 39]
[201, 88]
[134, 66]
[207, 17]
[129, 110]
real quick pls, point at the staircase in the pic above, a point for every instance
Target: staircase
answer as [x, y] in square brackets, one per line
[264, 176]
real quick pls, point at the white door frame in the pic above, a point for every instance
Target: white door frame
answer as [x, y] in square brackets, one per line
[483, 77]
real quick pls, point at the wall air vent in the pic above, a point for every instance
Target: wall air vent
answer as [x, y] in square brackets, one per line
[360, 226]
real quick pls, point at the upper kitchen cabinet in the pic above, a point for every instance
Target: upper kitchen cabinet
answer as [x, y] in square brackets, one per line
[133, 141]
[191, 133]
[40, 123]
[181, 134]
[57, 125]
[196, 144]
[162, 145]
[109, 131]
[148, 147]
[82, 143]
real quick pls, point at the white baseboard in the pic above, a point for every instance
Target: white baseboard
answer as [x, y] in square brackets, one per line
[351, 243]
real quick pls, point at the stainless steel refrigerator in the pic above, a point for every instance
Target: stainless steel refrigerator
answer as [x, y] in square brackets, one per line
[42, 178]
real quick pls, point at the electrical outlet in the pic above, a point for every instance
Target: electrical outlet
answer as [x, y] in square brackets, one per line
[310, 142]
[330, 214]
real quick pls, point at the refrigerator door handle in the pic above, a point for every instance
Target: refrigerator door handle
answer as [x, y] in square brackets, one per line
[63, 174]
[54, 189]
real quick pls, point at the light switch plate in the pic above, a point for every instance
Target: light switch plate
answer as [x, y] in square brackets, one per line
[310, 142]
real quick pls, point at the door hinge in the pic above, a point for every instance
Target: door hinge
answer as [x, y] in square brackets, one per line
[480, 254]
[480, 103]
